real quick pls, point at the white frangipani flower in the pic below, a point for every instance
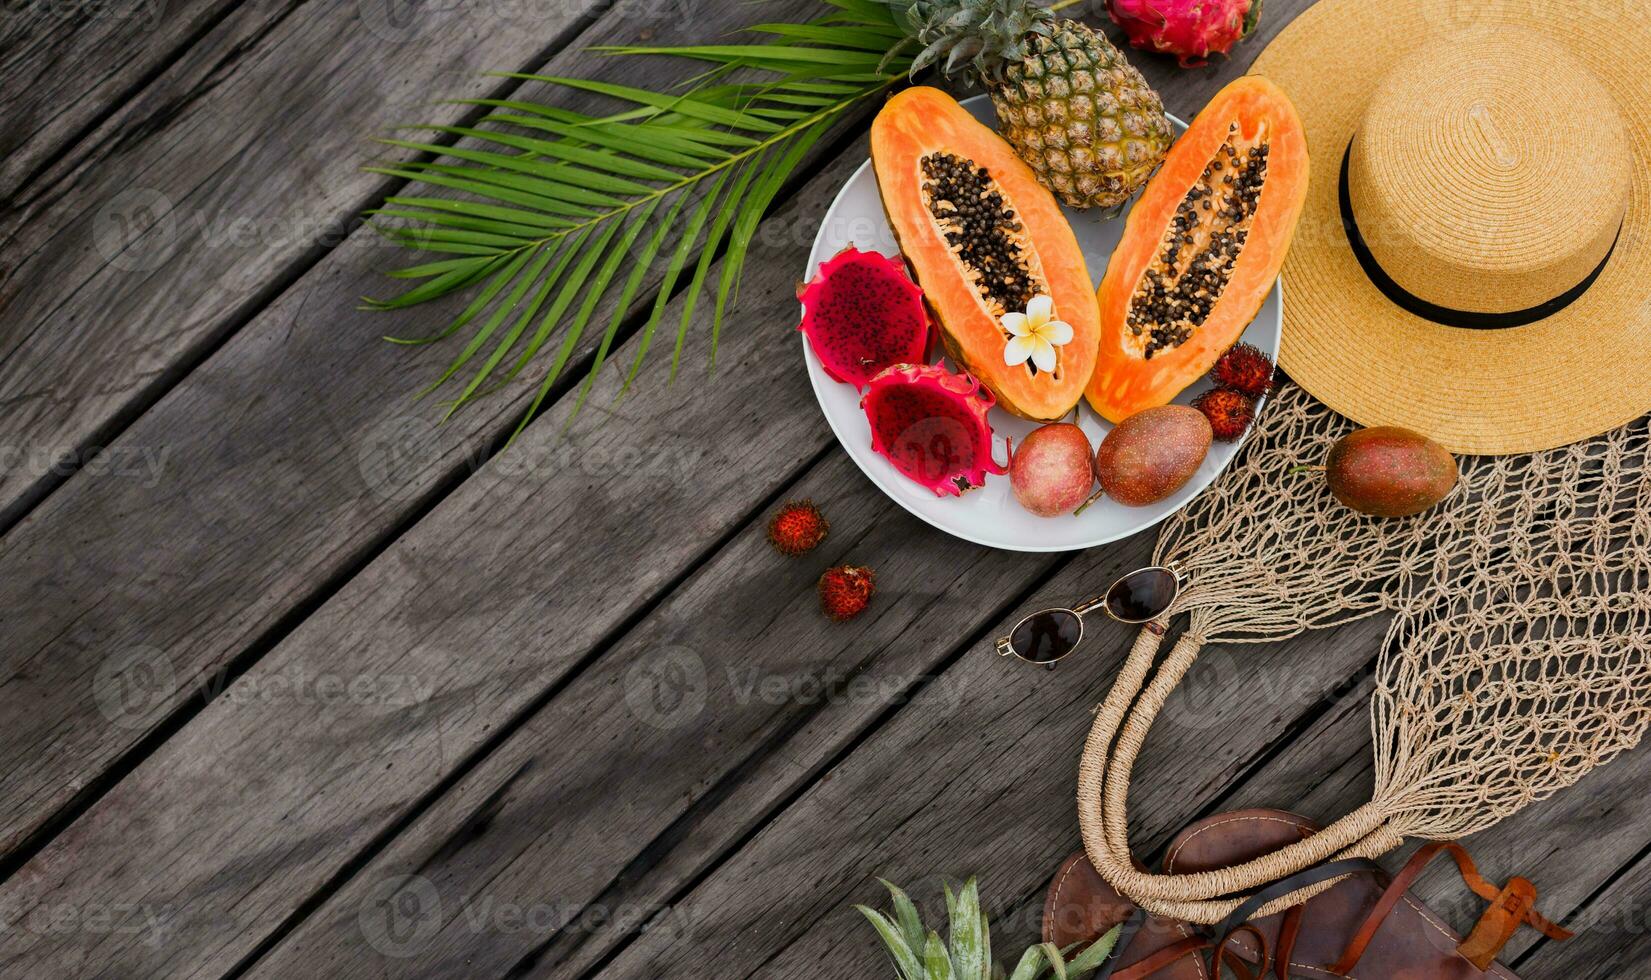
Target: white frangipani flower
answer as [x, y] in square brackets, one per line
[1035, 334]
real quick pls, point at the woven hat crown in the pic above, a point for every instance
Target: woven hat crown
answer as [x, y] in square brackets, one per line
[1490, 171]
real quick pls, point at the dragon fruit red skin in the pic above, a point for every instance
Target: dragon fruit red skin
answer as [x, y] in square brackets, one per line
[931, 424]
[862, 314]
[1189, 29]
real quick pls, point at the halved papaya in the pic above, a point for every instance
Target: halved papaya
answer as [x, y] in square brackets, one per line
[1201, 248]
[983, 238]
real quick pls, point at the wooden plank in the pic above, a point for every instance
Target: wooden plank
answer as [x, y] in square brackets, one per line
[1323, 771]
[276, 469]
[1612, 939]
[505, 589]
[596, 790]
[192, 206]
[65, 65]
[984, 791]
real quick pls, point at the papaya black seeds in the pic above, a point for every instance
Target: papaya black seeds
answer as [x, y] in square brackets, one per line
[981, 228]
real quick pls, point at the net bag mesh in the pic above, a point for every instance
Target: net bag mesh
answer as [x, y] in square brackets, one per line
[1518, 655]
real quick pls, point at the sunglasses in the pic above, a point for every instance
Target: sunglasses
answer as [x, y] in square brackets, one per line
[1047, 636]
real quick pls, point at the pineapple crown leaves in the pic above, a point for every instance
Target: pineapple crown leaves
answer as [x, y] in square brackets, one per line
[966, 953]
[982, 35]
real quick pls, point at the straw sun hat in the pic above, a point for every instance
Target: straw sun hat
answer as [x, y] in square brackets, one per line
[1472, 262]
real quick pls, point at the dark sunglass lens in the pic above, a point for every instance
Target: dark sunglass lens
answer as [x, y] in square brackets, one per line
[1142, 595]
[1046, 636]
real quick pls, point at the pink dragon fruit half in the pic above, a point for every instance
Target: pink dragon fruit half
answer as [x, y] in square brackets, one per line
[861, 314]
[931, 424]
[1189, 29]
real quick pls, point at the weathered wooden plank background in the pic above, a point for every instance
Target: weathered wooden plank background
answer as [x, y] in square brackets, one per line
[272, 518]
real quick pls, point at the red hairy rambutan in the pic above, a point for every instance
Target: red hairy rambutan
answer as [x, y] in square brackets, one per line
[845, 591]
[797, 527]
[1230, 412]
[1244, 369]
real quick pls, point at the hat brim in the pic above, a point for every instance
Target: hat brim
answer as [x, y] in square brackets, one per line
[1575, 374]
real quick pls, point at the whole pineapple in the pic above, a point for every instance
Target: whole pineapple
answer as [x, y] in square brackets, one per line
[1074, 109]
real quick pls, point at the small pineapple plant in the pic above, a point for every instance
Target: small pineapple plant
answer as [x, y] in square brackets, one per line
[966, 954]
[1072, 106]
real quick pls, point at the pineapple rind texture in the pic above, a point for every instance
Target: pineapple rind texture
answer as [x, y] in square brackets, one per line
[1082, 117]
[1069, 102]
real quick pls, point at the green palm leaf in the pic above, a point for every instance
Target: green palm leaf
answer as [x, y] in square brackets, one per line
[542, 214]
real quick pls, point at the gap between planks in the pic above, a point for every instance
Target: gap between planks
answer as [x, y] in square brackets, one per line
[515, 722]
[445, 483]
[824, 438]
[66, 143]
[103, 434]
[448, 482]
[1038, 581]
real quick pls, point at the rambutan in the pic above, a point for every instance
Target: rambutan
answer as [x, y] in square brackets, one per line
[797, 527]
[1245, 369]
[1230, 412]
[845, 591]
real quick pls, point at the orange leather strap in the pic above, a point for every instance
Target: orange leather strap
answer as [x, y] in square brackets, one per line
[1511, 907]
[1382, 909]
[1288, 929]
[1498, 924]
[1164, 957]
[1239, 969]
[1110, 970]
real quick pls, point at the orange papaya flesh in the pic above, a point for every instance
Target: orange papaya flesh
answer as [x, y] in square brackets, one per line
[983, 237]
[1201, 248]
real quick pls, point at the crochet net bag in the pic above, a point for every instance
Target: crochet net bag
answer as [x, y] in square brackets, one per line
[1518, 659]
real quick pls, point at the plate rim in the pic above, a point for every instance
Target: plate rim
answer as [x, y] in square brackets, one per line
[817, 377]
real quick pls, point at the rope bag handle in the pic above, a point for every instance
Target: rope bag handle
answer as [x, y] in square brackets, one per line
[1125, 717]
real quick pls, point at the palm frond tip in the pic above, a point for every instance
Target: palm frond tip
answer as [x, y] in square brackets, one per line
[534, 208]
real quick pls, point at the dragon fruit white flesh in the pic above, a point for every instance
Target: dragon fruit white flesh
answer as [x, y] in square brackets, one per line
[1189, 29]
[931, 424]
[862, 314]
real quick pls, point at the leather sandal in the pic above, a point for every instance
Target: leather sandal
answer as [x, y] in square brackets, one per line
[1081, 907]
[1367, 922]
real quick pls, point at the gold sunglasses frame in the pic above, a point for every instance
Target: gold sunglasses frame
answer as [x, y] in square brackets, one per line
[1005, 646]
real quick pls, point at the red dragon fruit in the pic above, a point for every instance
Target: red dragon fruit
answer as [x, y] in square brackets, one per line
[1188, 29]
[931, 424]
[862, 314]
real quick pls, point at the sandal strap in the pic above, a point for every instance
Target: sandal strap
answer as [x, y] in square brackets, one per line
[1164, 957]
[1110, 970]
[1238, 921]
[1317, 874]
[1511, 906]
[1240, 970]
[1500, 921]
[1289, 928]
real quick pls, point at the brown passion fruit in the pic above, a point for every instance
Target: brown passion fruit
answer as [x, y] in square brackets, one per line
[1152, 454]
[1388, 471]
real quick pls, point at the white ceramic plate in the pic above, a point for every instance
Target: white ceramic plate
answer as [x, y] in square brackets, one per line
[990, 515]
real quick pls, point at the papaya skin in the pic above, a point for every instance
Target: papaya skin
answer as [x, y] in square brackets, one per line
[1388, 471]
[1124, 382]
[922, 120]
[1152, 454]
